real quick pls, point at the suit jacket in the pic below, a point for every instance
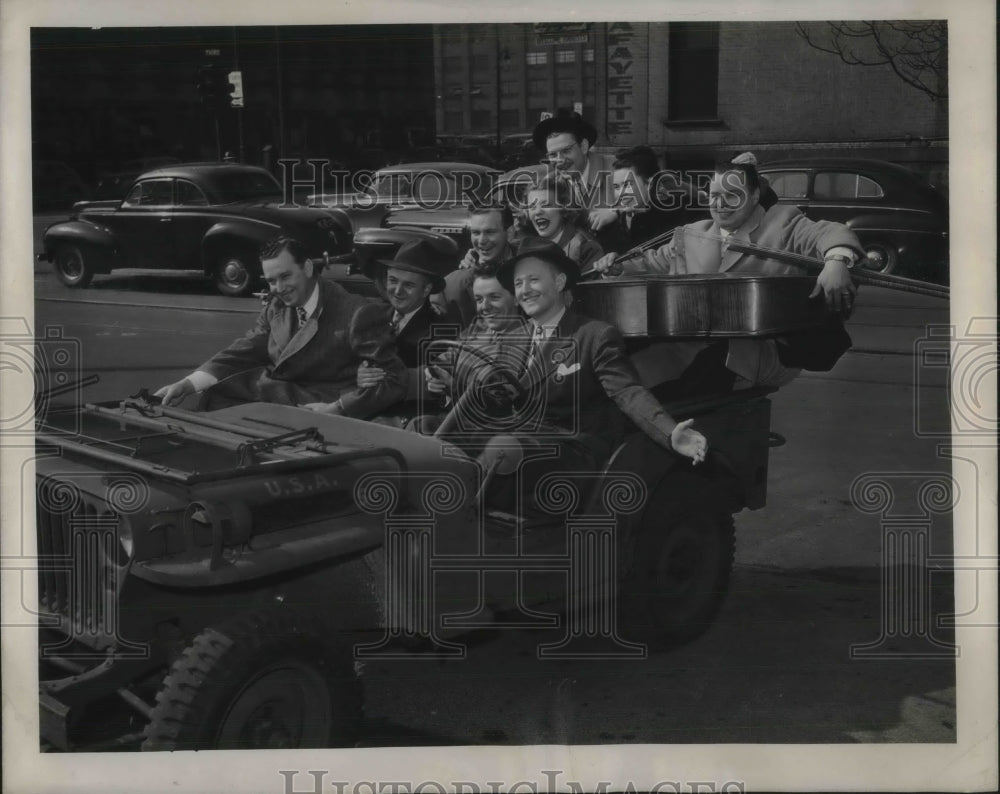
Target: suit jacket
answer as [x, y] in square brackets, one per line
[418, 328]
[700, 248]
[599, 191]
[318, 362]
[581, 382]
[621, 236]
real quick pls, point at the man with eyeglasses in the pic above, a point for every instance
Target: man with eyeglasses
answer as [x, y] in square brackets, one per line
[568, 142]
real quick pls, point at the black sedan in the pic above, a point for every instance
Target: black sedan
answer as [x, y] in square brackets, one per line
[900, 219]
[206, 216]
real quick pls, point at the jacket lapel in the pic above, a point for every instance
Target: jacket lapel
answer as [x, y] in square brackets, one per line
[556, 350]
[730, 257]
[304, 335]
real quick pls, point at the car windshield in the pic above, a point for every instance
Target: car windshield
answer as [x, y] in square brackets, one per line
[244, 186]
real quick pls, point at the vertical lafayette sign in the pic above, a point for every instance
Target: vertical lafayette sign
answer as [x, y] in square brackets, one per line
[628, 51]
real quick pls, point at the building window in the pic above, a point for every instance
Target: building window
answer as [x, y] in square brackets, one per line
[510, 119]
[482, 119]
[538, 86]
[693, 78]
[453, 65]
[535, 115]
[508, 88]
[588, 55]
[565, 56]
[566, 85]
[536, 58]
[481, 62]
[453, 121]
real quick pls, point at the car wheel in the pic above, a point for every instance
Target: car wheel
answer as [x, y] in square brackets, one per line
[881, 257]
[265, 681]
[679, 577]
[235, 276]
[71, 267]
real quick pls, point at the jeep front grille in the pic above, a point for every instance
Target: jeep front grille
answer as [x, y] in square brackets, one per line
[77, 543]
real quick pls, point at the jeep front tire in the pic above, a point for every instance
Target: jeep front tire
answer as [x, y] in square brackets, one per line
[264, 681]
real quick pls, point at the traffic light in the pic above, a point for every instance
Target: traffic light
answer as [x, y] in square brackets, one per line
[211, 86]
[235, 89]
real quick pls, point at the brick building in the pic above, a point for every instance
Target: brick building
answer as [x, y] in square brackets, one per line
[686, 89]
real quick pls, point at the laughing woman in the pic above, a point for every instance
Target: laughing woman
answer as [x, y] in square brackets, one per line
[553, 215]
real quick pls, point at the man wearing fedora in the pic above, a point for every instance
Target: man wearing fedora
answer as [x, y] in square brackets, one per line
[305, 348]
[415, 273]
[578, 383]
[568, 140]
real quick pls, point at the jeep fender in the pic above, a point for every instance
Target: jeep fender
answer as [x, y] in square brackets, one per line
[95, 241]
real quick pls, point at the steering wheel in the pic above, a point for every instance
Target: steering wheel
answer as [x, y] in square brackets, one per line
[468, 395]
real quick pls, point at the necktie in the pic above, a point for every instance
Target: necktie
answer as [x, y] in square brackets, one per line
[396, 319]
[301, 317]
[536, 341]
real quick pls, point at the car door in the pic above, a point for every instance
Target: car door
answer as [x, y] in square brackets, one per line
[841, 195]
[192, 219]
[142, 224]
[791, 187]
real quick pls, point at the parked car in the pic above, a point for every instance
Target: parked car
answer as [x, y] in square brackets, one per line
[114, 182]
[208, 216]
[901, 220]
[510, 190]
[411, 185]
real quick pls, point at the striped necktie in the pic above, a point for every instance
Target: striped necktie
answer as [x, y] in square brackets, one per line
[536, 342]
[397, 318]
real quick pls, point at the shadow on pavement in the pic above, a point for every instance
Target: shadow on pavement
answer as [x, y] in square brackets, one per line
[775, 668]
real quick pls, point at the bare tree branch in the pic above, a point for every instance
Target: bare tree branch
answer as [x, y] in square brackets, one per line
[917, 52]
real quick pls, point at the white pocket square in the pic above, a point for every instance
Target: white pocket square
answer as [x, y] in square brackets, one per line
[562, 370]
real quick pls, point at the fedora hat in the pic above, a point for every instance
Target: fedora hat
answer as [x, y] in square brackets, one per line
[425, 258]
[564, 121]
[538, 248]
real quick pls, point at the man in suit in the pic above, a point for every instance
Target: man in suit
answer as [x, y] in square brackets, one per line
[416, 271]
[411, 276]
[737, 214]
[305, 348]
[568, 141]
[488, 228]
[578, 381]
[648, 202]
[702, 247]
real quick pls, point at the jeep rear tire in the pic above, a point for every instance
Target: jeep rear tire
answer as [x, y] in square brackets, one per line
[71, 267]
[264, 681]
[679, 576]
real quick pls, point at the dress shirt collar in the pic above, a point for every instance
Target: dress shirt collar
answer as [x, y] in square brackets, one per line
[549, 328]
[311, 304]
[400, 320]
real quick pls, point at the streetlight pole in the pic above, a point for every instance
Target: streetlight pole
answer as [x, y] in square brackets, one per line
[499, 146]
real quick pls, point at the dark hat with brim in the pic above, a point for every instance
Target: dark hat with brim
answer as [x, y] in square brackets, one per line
[425, 258]
[564, 121]
[538, 248]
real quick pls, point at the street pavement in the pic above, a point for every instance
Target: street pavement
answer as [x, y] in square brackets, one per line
[808, 586]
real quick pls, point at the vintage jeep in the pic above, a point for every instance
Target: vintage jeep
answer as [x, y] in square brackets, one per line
[215, 577]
